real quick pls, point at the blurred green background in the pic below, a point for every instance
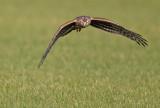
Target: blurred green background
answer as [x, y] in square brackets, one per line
[87, 69]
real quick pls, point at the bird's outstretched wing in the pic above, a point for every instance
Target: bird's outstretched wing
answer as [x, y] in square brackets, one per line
[63, 30]
[110, 26]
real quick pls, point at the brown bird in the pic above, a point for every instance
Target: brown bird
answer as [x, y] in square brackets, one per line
[84, 21]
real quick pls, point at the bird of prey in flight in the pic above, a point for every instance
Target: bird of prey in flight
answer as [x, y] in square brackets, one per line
[103, 24]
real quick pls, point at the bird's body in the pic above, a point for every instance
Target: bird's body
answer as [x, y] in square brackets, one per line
[103, 24]
[83, 21]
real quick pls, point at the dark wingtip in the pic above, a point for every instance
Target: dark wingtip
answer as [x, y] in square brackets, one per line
[41, 62]
[142, 41]
[39, 65]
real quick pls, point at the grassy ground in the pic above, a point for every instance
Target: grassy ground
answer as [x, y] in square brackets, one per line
[89, 69]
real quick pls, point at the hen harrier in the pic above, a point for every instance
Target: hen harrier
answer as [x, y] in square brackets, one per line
[84, 21]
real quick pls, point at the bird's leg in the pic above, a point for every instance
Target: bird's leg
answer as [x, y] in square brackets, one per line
[78, 29]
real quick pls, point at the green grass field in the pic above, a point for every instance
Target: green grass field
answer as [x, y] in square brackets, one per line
[89, 69]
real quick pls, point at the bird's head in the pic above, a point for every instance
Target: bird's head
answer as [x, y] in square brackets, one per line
[84, 21]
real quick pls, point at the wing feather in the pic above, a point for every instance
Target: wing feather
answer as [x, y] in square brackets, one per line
[63, 30]
[112, 27]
